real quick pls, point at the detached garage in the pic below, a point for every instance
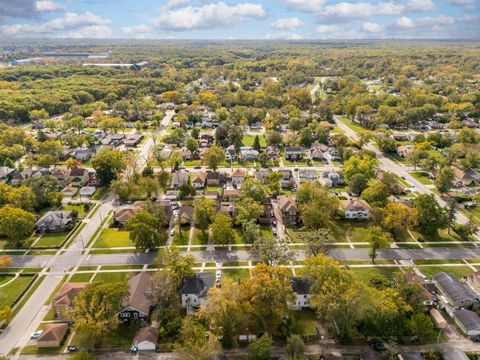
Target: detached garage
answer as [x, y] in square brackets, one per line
[52, 335]
[146, 339]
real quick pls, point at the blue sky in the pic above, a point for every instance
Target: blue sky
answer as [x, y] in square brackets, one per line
[241, 19]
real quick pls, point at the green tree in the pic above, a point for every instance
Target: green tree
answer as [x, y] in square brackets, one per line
[94, 309]
[295, 347]
[260, 349]
[256, 143]
[429, 215]
[317, 206]
[108, 164]
[396, 218]
[421, 326]
[213, 157]
[444, 179]
[222, 229]
[357, 164]
[376, 194]
[191, 144]
[253, 189]
[171, 259]
[46, 190]
[194, 343]
[204, 209]
[16, 224]
[377, 239]
[319, 241]
[248, 210]
[146, 229]
[272, 251]
[357, 183]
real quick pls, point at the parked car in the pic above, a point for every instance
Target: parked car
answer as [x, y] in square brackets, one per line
[72, 349]
[218, 275]
[36, 334]
[172, 232]
[274, 231]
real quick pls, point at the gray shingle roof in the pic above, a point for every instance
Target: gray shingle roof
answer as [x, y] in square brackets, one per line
[301, 285]
[469, 319]
[455, 289]
[198, 284]
[454, 354]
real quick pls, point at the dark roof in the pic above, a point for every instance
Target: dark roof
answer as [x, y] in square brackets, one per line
[301, 285]
[54, 219]
[455, 289]
[454, 354]
[469, 319]
[198, 284]
[139, 293]
[293, 148]
[76, 171]
[411, 356]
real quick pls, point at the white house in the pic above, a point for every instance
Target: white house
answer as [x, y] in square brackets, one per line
[355, 209]
[194, 290]
[146, 339]
[301, 290]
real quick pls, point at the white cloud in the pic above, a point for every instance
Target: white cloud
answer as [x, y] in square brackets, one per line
[209, 16]
[175, 3]
[72, 24]
[141, 31]
[283, 36]
[420, 5]
[287, 24]
[466, 4]
[370, 27]
[305, 5]
[404, 23]
[425, 23]
[48, 5]
[347, 10]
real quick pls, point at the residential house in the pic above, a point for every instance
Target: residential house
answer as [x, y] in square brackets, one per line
[332, 178]
[179, 178]
[404, 150]
[62, 301]
[248, 154]
[211, 194]
[19, 176]
[213, 178]
[355, 209]
[194, 289]
[465, 177]
[5, 173]
[293, 153]
[286, 181]
[186, 214]
[171, 195]
[457, 293]
[186, 154]
[229, 194]
[468, 321]
[228, 208]
[146, 339]
[332, 154]
[307, 175]
[267, 216]
[261, 175]
[272, 153]
[121, 216]
[87, 191]
[139, 301]
[62, 175]
[83, 154]
[238, 177]
[473, 280]
[52, 335]
[133, 140]
[289, 210]
[55, 221]
[230, 154]
[78, 176]
[199, 179]
[301, 289]
[317, 152]
[69, 192]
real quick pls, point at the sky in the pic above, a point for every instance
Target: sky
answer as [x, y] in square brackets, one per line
[241, 19]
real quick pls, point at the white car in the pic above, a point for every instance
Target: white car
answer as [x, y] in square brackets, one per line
[172, 232]
[36, 334]
[218, 275]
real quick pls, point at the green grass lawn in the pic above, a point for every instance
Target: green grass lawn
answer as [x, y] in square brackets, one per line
[81, 277]
[101, 190]
[457, 271]
[11, 292]
[51, 239]
[198, 238]
[113, 276]
[79, 208]
[111, 237]
[266, 231]
[181, 238]
[422, 177]
[5, 278]
[248, 140]
[190, 163]
[237, 275]
[307, 321]
[370, 273]
[354, 126]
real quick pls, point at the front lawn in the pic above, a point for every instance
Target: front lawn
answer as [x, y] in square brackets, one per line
[110, 277]
[110, 238]
[181, 238]
[198, 238]
[457, 271]
[421, 176]
[354, 126]
[51, 240]
[307, 321]
[11, 292]
[248, 140]
[367, 274]
[79, 208]
[237, 275]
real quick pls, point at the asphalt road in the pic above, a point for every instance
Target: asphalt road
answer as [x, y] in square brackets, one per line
[245, 255]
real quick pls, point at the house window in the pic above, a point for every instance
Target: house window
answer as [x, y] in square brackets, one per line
[125, 315]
